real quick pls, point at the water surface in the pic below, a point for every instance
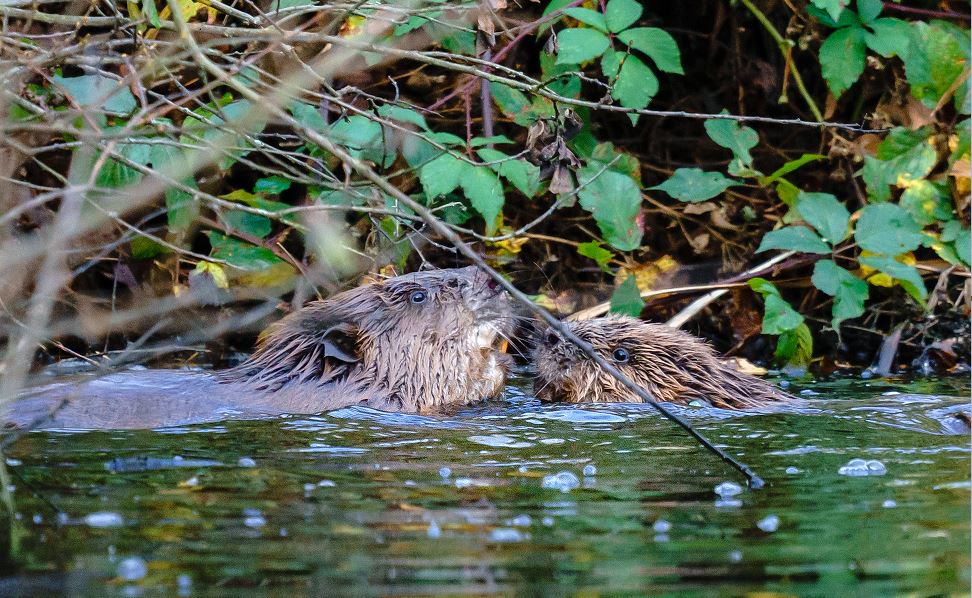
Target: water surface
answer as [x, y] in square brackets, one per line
[511, 498]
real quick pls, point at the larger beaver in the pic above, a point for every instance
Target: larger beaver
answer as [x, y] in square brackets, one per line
[672, 365]
[421, 342]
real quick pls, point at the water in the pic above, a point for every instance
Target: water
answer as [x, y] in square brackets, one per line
[511, 498]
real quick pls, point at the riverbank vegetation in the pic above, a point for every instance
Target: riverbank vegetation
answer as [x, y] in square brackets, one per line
[176, 172]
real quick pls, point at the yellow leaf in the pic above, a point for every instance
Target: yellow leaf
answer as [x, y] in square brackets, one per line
[276, 275]
[646, 275]
[215, 271]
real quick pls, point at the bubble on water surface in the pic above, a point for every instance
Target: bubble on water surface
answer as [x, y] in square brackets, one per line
[103, 519]
[520, 521]
[246, 462]
[889, 504]
[463, 482]
[564, 481]
[547, 521]
[769, 524]
[434, 530]
[132, 568]
[862, 467]
[499, 440]
[326, 484]
[735, 556]
[590, 470]
[728, 503]
[552, 441]
[507, 534]
[444, 472]
[662, 527]
[727, 489]
[253, 518]
[792, 470]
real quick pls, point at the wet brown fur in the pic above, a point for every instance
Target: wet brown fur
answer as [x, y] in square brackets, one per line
[672, 365]
[370, 346]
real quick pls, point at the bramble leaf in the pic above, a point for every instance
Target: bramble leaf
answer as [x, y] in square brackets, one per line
[694, 184]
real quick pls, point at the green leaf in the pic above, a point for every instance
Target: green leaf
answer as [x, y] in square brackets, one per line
[939, 53]
[789, 167]
[778, 315]
[615, 201]
[832, 7]
[823, 212]
[927, 202]
[485, 193]
[694, 184]
[795, 238]
[580, 45]
[151, 13]
[144, 248]
[868, 10]
[308, 116]
[842, 58]
[242, 255]
[795, 346]
[763, 286]
[97, 91]
[657, 44]
[889, 37]
[593, 250]
[731, 135]
[405, 115]
[441, 175]
[554, 6]
[622, 14]
[249, 223]
[514, 104]
[904, 157]
[907, 276]
[849, 292]
[588, 17]
[627, 298]
[611, 63]
[963, 246]
[116, 174]
[635, 85]
[888, 229]
[520, 173]
[272, 185]
[181, 208]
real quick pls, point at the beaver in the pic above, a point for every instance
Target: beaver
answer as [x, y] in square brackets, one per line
[672, 365]
[422, 342]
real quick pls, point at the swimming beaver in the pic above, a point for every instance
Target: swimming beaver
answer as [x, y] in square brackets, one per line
[420, 342]
[672, 365]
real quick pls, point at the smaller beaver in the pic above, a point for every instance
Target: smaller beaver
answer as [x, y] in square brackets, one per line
[422, 342]
[672, 365]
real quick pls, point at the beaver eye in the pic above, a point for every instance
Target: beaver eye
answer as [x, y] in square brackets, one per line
[418, 297]
[621, 355]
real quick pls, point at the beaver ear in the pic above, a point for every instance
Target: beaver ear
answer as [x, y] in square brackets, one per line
[340, 342]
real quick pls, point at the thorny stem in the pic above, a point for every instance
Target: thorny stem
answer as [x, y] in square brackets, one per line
[785, 45]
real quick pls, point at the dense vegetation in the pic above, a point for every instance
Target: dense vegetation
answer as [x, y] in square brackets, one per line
[161, 155]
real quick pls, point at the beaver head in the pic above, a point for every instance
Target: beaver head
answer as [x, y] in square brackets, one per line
[417, 342]
[672, 365]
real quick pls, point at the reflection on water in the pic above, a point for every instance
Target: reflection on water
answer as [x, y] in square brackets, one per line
[868, 494]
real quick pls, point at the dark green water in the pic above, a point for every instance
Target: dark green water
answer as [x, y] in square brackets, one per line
[360, 502]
